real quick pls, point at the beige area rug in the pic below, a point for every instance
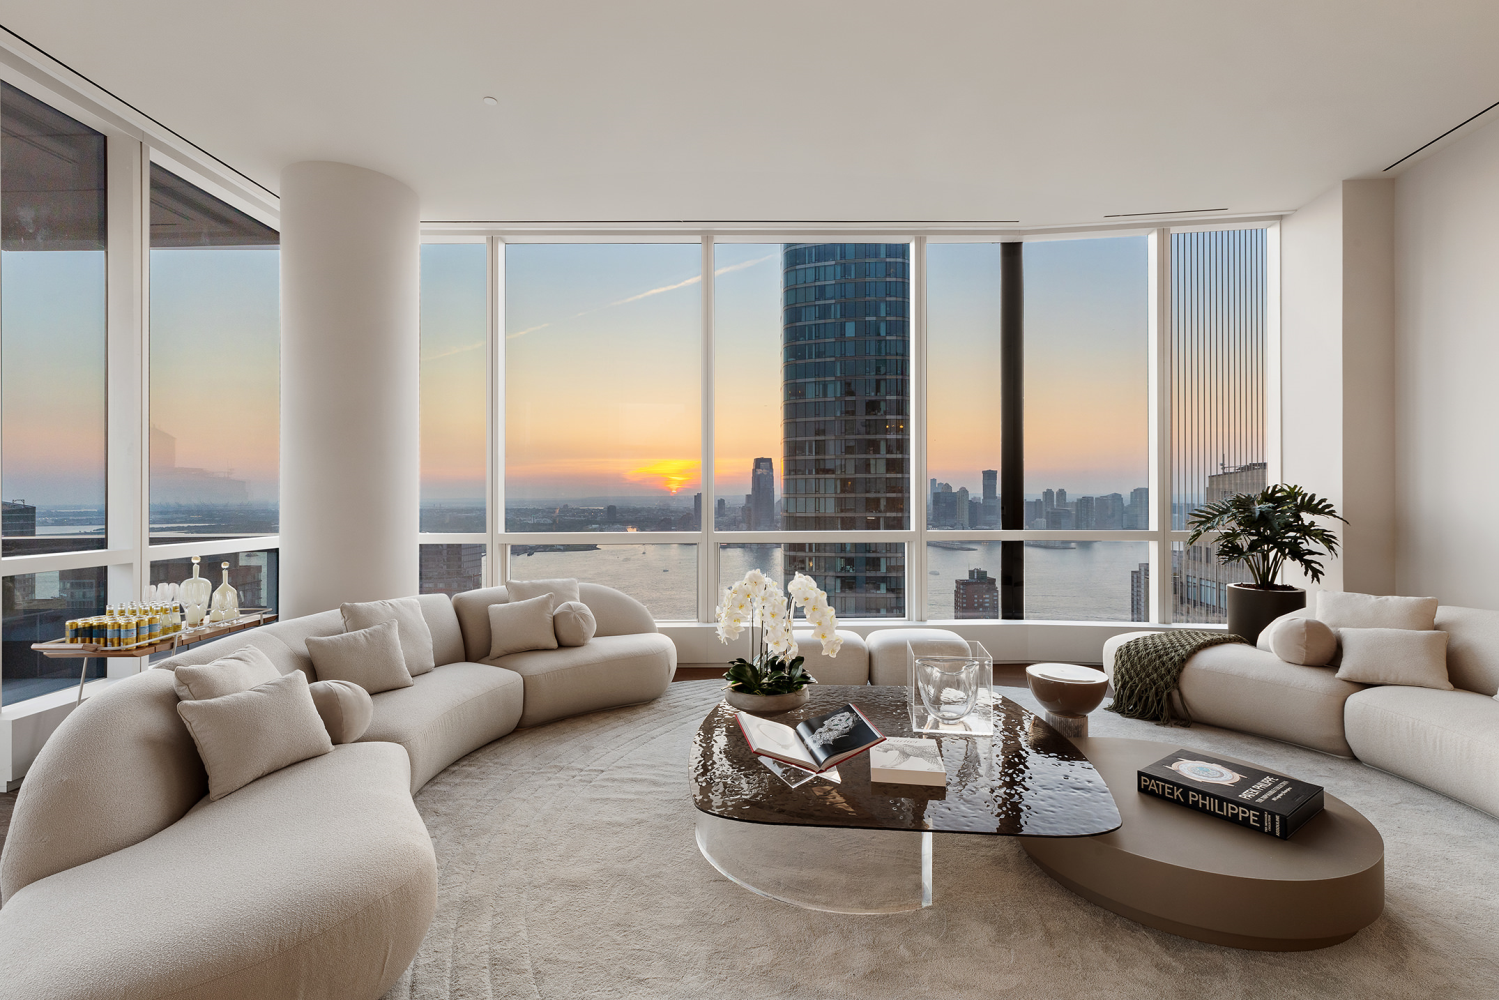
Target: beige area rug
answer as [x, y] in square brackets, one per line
[568, 869]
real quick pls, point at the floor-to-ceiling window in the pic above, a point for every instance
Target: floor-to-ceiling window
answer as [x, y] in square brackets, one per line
[857, 426]
[53, 353]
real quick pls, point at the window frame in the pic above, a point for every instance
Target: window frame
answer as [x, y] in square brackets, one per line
[1160, 537]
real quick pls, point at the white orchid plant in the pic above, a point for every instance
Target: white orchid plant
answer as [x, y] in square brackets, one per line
[758, 603]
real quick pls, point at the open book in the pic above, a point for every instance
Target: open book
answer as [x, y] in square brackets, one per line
[815, 745]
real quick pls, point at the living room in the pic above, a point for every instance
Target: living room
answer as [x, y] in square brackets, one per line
[952, 323]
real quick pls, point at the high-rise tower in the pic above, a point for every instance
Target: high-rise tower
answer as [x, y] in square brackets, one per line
[762, 505]
[846, 373]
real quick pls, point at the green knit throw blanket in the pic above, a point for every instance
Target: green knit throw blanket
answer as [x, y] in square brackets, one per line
[1147, 670]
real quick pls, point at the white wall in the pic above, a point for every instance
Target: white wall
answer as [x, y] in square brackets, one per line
[1337, 373]
[1447, 352]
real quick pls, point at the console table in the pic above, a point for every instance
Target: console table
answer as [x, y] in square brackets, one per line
[57, 650]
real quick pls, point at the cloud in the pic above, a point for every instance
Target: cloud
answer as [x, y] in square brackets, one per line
[454, 350]
[695, 279]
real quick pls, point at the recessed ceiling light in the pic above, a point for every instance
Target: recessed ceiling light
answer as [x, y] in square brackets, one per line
[491, 101]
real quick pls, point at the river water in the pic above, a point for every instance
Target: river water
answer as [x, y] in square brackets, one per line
[1088, 582]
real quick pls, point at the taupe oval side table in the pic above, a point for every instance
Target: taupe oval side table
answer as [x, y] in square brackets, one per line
[1204, 878]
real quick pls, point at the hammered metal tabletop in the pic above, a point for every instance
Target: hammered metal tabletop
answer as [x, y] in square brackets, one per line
[1025, 780]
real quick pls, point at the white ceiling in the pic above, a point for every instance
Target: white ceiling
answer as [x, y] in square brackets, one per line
[1046, 113]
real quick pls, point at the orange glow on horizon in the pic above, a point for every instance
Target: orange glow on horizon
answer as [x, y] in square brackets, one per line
[670, 474]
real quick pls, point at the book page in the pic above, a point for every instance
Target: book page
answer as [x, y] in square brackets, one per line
[775, 740]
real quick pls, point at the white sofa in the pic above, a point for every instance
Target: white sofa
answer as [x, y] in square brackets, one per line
[1445, 740]
[119, 878]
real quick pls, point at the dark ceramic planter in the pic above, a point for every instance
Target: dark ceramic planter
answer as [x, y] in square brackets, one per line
[1251, 609]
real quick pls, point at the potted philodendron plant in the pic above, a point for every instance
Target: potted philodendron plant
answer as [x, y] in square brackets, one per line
[1264, 531]
[772, 679]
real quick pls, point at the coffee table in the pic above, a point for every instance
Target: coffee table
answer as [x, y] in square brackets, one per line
[1205, 878]
[854, 846]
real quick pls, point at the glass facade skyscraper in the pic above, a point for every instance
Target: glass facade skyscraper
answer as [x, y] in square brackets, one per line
[846, 358]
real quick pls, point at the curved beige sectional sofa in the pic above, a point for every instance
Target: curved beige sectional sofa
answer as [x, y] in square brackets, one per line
[120, 879]
[1445, 740]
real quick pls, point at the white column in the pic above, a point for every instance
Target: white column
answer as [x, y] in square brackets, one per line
[350, 453]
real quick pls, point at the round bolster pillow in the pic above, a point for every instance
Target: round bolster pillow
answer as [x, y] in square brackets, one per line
[346, 708]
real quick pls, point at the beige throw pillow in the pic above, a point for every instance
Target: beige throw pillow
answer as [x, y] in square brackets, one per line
[239, 671]
[1342, 610]
[574, 624]
[1408, 657]
[562, 591]
[247, 735]
[346, 709]
[521, 625]
[370, 657]
[416, 637]
[1306, 641]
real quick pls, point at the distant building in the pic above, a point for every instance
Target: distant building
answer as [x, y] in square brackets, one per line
[944, 512]
[977, 596]
[19, 519]
[697, 512]
[1139, 593]
[611, 513]
[1059, 519]
[1061, 498]
[990, 518]
[762, 497]
[1198, 579]
[1108, 512]
[1083, 513]
[846, 431]
[1048, 499]
[1035, 514]
[1137, 511]
[172, 484]
[1230, 482]
[960, 508]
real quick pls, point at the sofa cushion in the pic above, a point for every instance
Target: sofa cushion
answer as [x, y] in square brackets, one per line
[294, 632]
[346, 709]
[616, 612]
[264, 639]
[1472, 648]
[1236, 686]
[406, 612]
[442, 622]
[561, 590]
[1345, 610]
[850, 666]
[1409, 657]
[1263, 642]
[521, 625]
[123, 754]
[257, 732]
[574, 624]
[1304, 641]
[238, 671]
[889, 661]
[472, 609]
[610, 671]
[445, 714]
[1445, 740]
[316, 881]
[370, 657]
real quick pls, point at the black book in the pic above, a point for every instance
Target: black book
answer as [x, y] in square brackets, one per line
[816, 745]
[1248, 796]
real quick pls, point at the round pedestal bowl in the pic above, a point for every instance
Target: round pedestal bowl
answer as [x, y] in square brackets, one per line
[1067, 692]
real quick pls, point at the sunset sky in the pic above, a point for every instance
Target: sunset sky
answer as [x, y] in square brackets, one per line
[602, 363]
[602, 367]
[52, 316]
[216, 359]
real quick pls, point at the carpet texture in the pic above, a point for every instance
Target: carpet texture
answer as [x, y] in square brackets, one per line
[568, 868]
